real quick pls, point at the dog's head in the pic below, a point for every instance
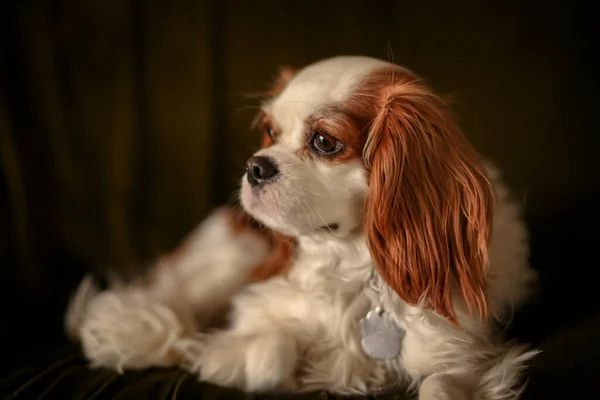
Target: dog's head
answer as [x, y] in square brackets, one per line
[358, 145]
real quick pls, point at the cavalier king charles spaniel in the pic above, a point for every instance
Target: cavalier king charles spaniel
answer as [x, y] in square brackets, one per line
[375, 250]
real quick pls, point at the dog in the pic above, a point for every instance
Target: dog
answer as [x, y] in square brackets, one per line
[375, 249]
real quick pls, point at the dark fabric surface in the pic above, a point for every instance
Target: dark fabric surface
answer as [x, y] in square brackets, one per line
[55, 369]
[60, 372]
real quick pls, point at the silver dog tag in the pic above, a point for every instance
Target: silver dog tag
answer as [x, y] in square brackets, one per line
[381, 337]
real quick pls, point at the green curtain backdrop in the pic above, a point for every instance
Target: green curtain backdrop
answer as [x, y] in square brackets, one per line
[123, 122]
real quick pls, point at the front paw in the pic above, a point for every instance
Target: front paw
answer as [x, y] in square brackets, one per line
[254, 363]
[271, 363]
[442, 387]
[125, 330]
[190, 351]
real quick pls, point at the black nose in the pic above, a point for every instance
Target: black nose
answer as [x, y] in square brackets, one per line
[260, 170]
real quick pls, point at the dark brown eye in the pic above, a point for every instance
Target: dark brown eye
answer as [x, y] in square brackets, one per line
[325, 144]
[271, 132]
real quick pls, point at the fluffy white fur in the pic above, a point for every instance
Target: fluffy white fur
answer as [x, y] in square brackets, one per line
[301, 331]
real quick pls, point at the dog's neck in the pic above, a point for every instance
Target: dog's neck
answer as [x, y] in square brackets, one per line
[328, 261]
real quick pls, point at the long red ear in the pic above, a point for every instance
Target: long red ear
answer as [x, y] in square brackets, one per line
[429, 209]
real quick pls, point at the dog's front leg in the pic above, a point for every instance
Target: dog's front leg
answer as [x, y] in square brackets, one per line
[445, 386]
[258, 362]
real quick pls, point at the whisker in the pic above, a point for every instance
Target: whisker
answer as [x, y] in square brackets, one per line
[390, 52]
[296, 101]
[320, 216]
[304, 187]
[307, 218]
[246, 108]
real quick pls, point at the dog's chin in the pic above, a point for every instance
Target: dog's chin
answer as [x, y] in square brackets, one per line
[256, 203]
[264, 205]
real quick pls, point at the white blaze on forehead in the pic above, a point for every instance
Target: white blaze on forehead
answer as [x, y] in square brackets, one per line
[319, 85]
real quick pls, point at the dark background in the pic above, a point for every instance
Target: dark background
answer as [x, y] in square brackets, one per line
[123, 122]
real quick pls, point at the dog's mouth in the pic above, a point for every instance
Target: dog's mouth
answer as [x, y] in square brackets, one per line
[330, 227]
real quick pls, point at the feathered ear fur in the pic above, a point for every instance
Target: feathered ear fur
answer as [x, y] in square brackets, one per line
[429, 209]
[285, 75]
